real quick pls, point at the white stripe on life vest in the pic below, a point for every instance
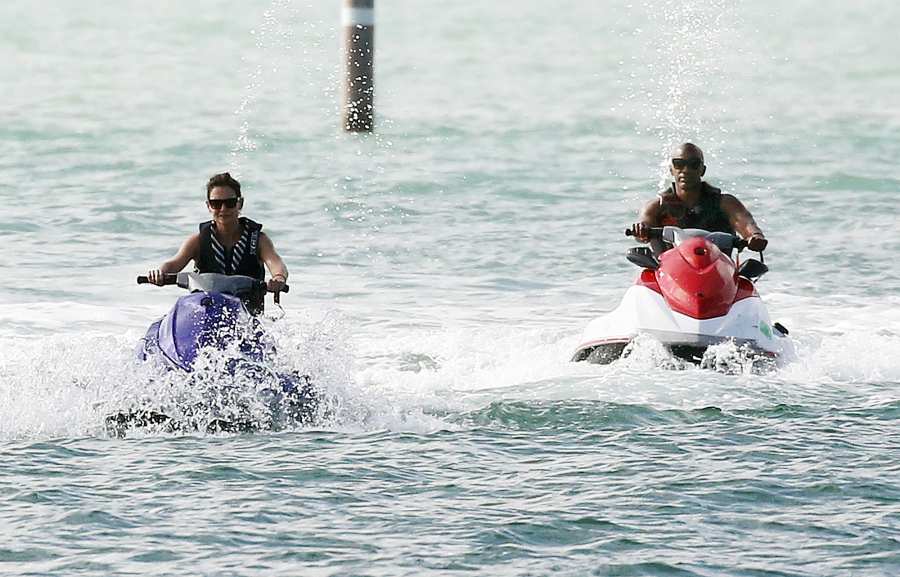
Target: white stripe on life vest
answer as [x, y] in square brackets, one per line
[238, 251]
[218, 253]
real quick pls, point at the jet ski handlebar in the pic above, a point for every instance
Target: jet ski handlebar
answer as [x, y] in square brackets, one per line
[168, 278]
[172, 278]
[656, 233]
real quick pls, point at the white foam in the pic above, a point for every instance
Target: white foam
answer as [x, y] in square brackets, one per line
[418, 378]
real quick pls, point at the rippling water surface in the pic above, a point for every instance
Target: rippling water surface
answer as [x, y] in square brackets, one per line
[442, 271]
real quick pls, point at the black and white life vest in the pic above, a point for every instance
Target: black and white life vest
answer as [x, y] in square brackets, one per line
[240, 259]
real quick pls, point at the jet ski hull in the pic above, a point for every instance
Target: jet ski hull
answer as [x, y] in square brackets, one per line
[214, 320]
[295, 401]
[644, 311]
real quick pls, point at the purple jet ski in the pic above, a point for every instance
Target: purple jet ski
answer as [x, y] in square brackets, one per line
[214, 316]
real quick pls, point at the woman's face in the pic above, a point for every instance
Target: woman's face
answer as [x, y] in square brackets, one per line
[224, 204]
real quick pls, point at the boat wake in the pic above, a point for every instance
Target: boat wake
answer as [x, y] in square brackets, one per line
[92, 385]
[423, 379]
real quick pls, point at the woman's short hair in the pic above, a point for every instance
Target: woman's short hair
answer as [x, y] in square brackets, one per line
[223, 179]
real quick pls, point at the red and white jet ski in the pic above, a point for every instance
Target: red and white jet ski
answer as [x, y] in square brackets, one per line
[691, 297]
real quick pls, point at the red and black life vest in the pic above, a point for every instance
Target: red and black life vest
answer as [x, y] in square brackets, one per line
[707, 214]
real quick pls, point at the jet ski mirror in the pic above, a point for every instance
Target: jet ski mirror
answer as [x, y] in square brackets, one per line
[643, 257]
[752, 269]
[723, 240]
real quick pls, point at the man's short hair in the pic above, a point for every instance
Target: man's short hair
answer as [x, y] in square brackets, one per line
[223, 179]
[689, 146]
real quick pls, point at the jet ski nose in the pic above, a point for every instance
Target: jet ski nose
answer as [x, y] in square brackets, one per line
[698, 253]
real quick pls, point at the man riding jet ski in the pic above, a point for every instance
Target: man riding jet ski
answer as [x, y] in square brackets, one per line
[693, 295]
[691, 202]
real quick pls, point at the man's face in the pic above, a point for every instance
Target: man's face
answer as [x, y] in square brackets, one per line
[687, 167]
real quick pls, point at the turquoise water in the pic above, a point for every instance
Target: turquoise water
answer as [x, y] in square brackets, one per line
[442, 271]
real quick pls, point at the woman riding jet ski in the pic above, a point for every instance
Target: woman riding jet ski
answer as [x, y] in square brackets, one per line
[693, 296]
[227, 291]
[229, 244]
[226, 358]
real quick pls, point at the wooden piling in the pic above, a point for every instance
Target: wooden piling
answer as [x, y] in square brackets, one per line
[358, 110]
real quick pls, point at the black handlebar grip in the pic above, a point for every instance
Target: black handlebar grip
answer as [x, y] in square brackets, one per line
[168, 278]
[652, 232]
[264, 286]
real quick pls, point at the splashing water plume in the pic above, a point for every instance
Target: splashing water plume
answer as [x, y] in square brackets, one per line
[286, 65]
[683, 91]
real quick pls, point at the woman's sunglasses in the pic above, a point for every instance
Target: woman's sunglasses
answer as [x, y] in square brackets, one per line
[217, 203]
[692, 163]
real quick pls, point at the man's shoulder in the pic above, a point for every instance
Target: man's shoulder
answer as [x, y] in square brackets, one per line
[708, 188]
[729, 202]
[654, 202]
[727, 197]
[650, 212]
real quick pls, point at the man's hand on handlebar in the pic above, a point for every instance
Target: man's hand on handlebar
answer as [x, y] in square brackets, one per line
[641, 231]
[757, 243]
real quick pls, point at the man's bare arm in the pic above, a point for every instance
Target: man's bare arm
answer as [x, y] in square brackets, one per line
[648, 217]
[743, 222]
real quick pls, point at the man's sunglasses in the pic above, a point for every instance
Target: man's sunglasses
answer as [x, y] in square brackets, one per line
[692, 163]
[218, 203]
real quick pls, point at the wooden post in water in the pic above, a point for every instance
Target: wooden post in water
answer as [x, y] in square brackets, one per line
[358, 111]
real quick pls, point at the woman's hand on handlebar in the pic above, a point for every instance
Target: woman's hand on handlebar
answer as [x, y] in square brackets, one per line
[276, 284]
[156, 276]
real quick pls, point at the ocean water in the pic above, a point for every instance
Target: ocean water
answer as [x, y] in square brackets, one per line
[442, 271]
